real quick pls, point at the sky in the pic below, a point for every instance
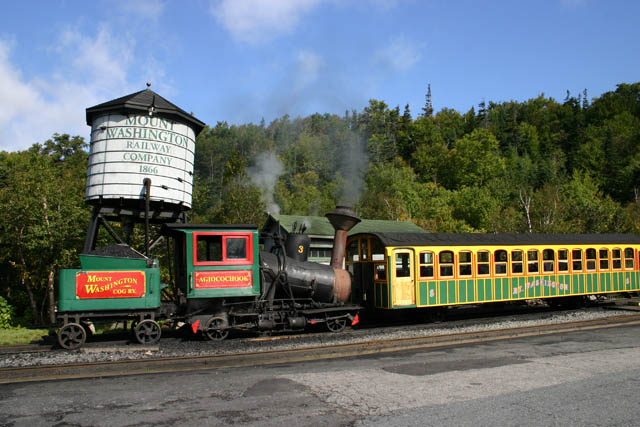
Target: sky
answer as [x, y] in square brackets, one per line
[242, 61]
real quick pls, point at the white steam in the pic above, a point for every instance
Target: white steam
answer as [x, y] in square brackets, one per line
[264, 174]
[353, 168]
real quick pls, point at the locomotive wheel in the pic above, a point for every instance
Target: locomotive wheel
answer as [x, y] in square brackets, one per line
[336, 325]
[214, 331]
[132, 327]
[148, 332]
[71, 336]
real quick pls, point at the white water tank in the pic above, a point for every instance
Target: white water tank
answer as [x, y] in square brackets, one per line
[140, 136]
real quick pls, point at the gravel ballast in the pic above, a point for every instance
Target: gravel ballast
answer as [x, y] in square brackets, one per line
[192, 346]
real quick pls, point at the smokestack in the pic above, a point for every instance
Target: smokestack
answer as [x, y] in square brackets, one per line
[343, 219]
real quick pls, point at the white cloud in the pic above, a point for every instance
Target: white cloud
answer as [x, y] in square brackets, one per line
[16, 97]
[86, 70]
[256, 21]
[32, 111]
[104, 60]
[398, 55]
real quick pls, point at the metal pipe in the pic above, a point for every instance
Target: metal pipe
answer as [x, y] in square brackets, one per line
[343, 219]
[147, 197]
[110, 229]
[338, 251]
[92, 231]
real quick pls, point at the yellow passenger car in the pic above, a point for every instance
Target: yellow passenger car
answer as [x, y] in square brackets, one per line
[408, 270]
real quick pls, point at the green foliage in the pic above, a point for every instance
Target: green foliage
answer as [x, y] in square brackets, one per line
[475, 160]
[392, 193]
[306, 194]
[6, 314]
[42, 194]
[239, 204]
[436, 212]
[451, 125]
[631, 218]
[585, 209]
[477, 207]
[431, 157]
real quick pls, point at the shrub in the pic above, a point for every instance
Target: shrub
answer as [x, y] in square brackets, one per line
[6, 314]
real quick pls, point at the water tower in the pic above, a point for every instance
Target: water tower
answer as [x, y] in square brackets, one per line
[140, 164]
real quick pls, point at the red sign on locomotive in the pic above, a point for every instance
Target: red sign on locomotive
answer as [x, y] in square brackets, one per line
[110, 284]
[223, 279]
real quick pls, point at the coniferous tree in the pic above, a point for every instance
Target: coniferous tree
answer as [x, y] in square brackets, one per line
[483, 114]
[406, 116]
[585, 100]
[427, 110]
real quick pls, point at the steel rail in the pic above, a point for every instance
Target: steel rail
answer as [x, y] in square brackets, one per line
[25, 348]
[276, 357]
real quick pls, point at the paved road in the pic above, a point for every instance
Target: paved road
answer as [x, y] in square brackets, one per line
[586, 378]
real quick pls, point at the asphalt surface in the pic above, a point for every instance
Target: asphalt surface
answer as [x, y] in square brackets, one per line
[585, 378]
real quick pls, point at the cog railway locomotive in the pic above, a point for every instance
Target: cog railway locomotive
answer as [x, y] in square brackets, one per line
[223, 282]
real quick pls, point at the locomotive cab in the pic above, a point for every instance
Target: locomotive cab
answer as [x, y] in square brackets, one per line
[212, 263]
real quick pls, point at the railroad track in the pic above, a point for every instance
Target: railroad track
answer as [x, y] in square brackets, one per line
[49, 345]
[25, 348]
[106, 342]
[196, 363]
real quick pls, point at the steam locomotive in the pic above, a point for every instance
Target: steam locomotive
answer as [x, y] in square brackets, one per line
[222, 282]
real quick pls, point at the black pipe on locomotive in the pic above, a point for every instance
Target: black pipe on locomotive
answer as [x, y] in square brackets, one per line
[297, 243]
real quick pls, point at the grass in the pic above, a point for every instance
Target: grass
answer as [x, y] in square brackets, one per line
[21, 336]
[16, 336]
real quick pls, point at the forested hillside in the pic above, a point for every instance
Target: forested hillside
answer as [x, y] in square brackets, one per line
[534, 166]
[539, 166]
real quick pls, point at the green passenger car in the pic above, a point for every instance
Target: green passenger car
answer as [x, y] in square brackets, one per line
[408, 270]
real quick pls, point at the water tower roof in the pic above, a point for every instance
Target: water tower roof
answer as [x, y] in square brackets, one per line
[140, 102]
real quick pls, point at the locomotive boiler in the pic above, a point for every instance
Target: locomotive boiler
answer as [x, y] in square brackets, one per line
[319, 282]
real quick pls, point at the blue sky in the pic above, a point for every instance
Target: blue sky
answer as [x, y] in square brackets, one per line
[243, 60]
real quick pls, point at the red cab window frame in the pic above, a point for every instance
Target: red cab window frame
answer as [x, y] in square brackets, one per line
[248, 236]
